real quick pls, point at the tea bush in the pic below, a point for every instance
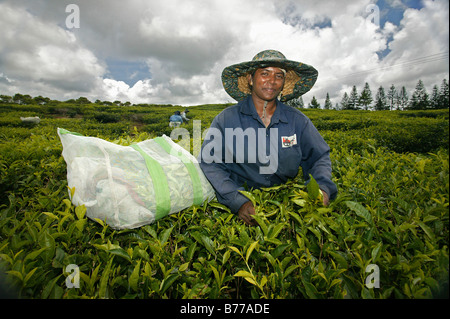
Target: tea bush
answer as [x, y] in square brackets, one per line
[392, 212]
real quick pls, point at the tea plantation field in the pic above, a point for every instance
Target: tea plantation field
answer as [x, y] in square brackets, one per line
[385, 236]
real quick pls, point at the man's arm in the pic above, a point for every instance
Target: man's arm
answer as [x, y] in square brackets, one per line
[227, 191]
[212, 163]
[316, 161]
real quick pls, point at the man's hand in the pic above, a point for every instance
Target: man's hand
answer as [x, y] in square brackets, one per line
[245, 213]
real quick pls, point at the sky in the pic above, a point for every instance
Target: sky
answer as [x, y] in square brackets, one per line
[174, 51]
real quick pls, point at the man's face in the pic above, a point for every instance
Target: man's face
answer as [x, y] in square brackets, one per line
[267, 83]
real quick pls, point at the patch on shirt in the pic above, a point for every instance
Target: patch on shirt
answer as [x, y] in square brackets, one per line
[288, 141]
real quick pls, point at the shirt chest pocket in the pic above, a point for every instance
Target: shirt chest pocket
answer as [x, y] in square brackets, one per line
[290, 156]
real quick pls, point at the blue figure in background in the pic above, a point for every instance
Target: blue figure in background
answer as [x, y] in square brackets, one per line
[175, 120]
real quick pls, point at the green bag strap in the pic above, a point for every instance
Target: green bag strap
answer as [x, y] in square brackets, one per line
[192, 170]
[160, 185]
[63, 131]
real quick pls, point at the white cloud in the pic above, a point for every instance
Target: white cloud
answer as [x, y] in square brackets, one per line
[38, 56]
[187, 44]
[419, 48]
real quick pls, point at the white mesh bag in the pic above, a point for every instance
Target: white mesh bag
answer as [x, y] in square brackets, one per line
[131, 186]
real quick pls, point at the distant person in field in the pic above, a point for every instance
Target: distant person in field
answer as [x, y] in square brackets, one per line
[262, 142]
[184, 116]
[175, 120]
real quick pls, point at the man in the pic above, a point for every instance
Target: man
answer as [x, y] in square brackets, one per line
[175, 120]
[261, 142]
[184, 116]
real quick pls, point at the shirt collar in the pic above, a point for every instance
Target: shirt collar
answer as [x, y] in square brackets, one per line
[248, 108]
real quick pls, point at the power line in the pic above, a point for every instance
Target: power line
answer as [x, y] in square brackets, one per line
[417, 61]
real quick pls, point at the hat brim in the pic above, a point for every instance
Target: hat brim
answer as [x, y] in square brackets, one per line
[300, 78]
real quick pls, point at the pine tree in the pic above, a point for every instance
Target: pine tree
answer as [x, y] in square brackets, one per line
[391, 97]
[365, 99]
[297, 102]
[419, 99]
[314, 104]
[345, 102]
[434, 99]
[380, 100]
[301, 105]
[402, 99]
[327, 104]
[353, 100]
[443, 95]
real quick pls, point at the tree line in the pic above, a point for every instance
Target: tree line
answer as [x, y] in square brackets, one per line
[40, 100]
[393, 99]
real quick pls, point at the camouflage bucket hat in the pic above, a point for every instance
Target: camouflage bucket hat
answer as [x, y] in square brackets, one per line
[299, 79]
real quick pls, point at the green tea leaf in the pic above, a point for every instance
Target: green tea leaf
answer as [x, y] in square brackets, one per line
[219, 206]
[191, 251]
[80, 211]
[103, 289]
[249, 196]
[49, 287]
[164, 235]
[340, 259]
[47, 242]
[51, 215]
[360, 210]
[150, 231]
[299, 201]
[263, 281]
[225, 257]
[34, 254]
[273, 233]
[67, 202]
[426, 229]
[313, 188]
[279, 250]
[107, 246]
[16, 274]
[366, 293]
[289, 270]
[93, 278]
[28, 276]
[296, 217]
[216, 274]
[121, 253]
[250, 250]
[197, 236]
[311, 291]
[183, 267]
[167, 282]
[235, 250]
[205, 241]
[209, 244]
[80, 224]
[134, 277]
[273, 240]
[262, 224]
[269, 258]
[251, 280]
[247, 276]
[376, 251]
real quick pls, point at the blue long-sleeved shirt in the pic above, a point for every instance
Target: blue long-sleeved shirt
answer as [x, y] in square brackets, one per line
[239, 150]
[176, 118]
